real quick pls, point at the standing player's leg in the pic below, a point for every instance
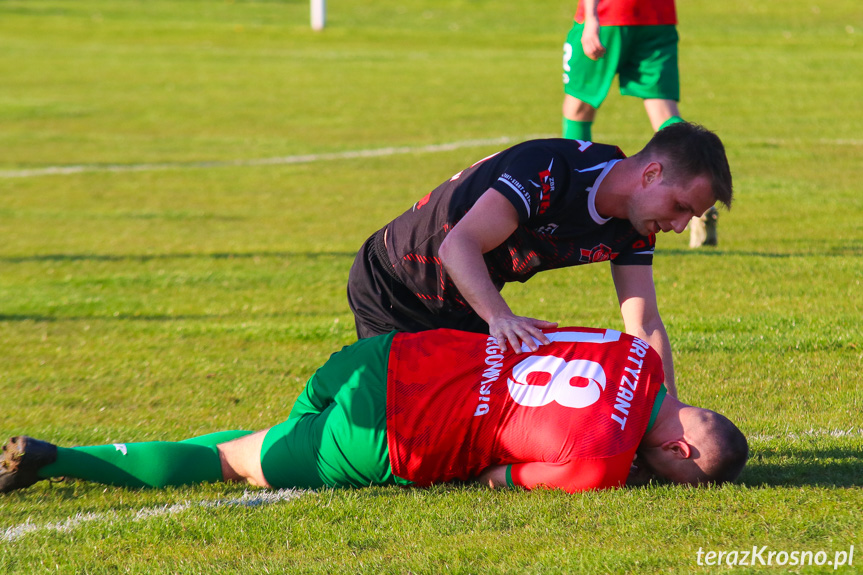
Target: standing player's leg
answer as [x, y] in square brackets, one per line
[649, 70]
[702, 230]
[578, 119]
[585, 81]
[661, 112]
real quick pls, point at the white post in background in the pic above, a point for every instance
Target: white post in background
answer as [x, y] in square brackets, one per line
[319, 14]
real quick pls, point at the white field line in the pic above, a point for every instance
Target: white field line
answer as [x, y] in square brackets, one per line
[255, 498]
[248, 499]
[283, 160]
[811, 433]
[309, 158]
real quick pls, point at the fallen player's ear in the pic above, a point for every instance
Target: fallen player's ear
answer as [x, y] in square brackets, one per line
[678, 447]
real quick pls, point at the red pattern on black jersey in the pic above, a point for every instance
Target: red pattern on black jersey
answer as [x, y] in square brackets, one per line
[455, 406]
[600, 253]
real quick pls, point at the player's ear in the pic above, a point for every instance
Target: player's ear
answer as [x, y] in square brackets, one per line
[677, 448]
[652, 173]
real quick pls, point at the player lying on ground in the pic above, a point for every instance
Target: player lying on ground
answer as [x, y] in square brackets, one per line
[438, 406]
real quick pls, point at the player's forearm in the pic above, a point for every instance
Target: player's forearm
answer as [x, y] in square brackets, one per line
[464, 263]
[637, 296]
[657, 337]
[591, 10]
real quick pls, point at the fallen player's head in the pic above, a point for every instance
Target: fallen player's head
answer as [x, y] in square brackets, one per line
[697, 447]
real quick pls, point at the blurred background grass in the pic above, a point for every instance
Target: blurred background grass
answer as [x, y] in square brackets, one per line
[185, 298]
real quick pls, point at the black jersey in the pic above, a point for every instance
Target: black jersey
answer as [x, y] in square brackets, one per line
[552, 184]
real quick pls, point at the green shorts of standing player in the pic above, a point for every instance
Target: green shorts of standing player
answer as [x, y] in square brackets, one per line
[645, 60]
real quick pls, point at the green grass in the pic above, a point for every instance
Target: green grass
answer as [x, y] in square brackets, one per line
[166, 303]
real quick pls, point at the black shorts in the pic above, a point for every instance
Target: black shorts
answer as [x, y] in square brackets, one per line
[381, 303]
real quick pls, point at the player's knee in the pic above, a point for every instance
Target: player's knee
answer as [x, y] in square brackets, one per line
[576, 110]
[241, 459]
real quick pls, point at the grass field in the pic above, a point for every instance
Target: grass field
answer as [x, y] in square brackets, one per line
[182, 191]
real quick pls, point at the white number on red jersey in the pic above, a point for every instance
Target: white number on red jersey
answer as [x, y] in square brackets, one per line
[543, 379]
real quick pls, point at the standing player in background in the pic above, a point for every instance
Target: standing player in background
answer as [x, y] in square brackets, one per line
[637, 41]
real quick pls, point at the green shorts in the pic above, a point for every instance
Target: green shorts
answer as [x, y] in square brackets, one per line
[644, 58]
[336, 433]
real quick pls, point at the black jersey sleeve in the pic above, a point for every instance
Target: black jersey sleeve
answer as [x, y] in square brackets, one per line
[638, 251]
[528, 178]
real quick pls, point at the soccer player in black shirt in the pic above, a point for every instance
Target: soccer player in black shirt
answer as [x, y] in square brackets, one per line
[539, 205]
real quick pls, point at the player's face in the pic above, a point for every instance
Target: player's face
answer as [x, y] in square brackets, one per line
[661, 207]
[666, 465]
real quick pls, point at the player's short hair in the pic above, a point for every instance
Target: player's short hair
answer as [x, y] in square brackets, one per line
[691, 151]
[730, 450]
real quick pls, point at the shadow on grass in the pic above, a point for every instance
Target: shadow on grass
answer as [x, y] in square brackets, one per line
[182, 256]
[831, 467]
[122, 316]
[827, 251]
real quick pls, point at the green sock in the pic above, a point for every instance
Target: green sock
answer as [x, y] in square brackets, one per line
[149, 464]
[576, 130]
[671, 120]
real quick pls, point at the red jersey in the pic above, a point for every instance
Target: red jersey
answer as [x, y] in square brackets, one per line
[568, 416]
[632, 12]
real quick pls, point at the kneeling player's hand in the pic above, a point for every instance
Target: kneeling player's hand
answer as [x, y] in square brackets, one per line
[515, 330]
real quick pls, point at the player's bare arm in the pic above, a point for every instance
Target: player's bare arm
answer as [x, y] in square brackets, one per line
[636, 294]
[486, 226]
[590, 41]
